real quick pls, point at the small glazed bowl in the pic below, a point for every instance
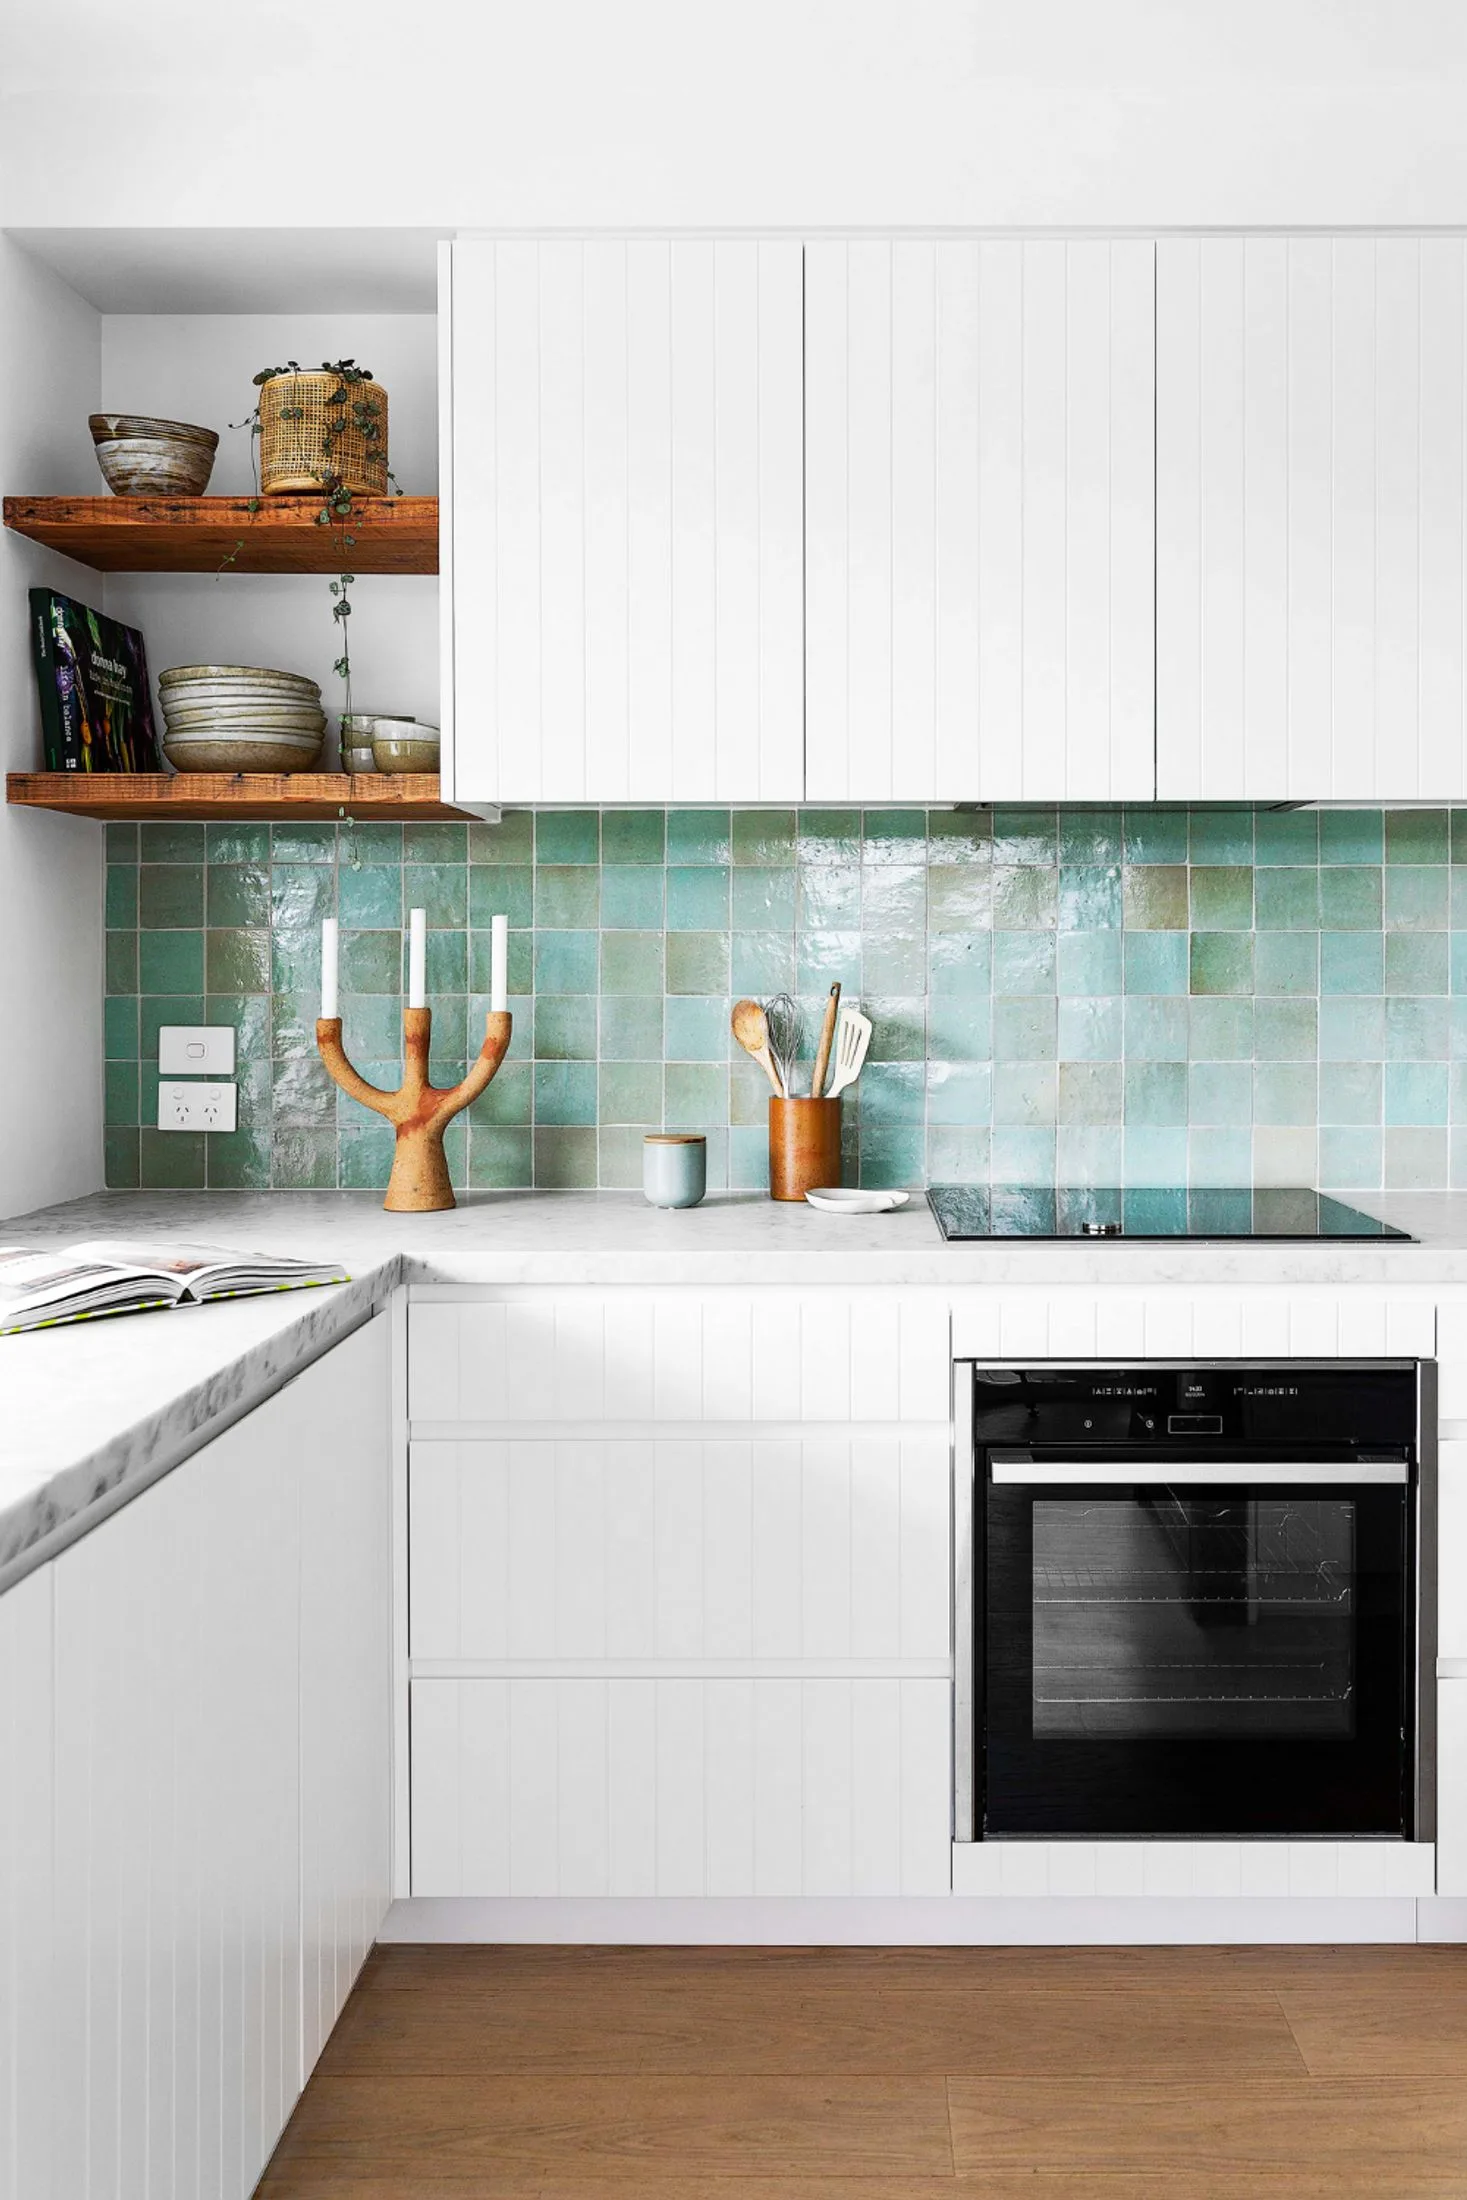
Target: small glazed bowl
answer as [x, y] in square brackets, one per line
[249, 750]
[405, 748]
[141, 458]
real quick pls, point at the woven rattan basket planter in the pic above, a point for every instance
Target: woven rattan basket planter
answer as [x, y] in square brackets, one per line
[316, 428]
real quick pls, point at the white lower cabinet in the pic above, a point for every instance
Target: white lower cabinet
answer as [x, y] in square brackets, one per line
[28, 2071]
[696, 1639]
[1451, 1787]
[681, 1787]
[218, 1751]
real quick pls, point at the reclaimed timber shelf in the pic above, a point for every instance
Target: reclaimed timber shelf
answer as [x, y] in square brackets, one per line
[141, 797]
[210, 534]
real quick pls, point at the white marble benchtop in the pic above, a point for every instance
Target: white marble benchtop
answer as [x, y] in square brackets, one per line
[91, 1415]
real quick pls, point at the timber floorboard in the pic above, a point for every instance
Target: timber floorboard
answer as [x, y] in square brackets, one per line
[515, 2073]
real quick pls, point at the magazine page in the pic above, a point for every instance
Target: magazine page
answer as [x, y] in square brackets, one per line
[209, 1271]
[68, 1286]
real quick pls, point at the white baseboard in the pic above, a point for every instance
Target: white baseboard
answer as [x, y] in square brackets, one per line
[920, 1921]
[1444, 1917]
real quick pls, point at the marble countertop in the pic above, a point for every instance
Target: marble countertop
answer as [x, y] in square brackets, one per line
[93, 1414]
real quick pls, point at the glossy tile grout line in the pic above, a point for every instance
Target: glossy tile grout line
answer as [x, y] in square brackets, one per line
[1142, 996]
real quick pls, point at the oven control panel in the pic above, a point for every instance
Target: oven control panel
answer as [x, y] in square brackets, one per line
[1349, 1404]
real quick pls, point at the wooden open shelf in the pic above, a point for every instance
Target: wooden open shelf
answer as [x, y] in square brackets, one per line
[197, 534]
[410, 797]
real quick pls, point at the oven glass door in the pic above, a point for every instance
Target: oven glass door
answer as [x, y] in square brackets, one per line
[1195, 1659]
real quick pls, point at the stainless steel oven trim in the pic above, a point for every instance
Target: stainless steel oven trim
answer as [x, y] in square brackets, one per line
[1254, 1474]
[1426, 1599]
[965, 1800]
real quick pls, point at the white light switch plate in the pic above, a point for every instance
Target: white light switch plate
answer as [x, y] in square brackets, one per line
[200, 1104]
[196, 1050]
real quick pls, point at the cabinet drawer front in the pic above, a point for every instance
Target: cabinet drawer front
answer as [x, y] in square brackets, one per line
[607, 1548]
[680, 1787]
[1228, 1323]
[1452, 1551]
[1451, 1804]
[630, 1355]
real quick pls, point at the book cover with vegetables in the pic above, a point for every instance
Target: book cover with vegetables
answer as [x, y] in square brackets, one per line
[92, 677]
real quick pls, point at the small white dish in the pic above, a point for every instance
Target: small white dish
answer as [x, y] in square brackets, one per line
[834, 1199]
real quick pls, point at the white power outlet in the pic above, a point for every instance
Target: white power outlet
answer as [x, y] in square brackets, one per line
[197, 1105]
[196, 1050]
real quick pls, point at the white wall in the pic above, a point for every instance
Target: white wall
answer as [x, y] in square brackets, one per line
[503, 114]
[198, 367]
[51, 868]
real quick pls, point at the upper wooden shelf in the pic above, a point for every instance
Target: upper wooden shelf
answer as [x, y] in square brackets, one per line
[199, 534]
[141, 797]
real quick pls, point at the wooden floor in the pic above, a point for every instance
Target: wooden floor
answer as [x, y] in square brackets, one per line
[890, 2074]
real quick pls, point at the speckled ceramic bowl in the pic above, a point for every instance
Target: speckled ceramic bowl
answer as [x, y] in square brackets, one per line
[405, 748]
[157, 458]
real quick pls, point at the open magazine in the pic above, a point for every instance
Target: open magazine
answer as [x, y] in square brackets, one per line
[109, 1276]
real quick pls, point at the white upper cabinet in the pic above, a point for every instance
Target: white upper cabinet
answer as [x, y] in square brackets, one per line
[622, 522]
[979, 470]
[1310, 512]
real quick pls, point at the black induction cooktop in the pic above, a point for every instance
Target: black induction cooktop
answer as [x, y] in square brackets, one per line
[1106, 1211]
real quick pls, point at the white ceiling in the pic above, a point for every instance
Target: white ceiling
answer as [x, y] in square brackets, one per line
[244, 270]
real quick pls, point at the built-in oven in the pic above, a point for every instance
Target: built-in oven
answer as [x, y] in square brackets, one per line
[1195, 1600]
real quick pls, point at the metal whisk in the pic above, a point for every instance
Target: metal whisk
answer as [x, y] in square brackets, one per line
[783, 1019]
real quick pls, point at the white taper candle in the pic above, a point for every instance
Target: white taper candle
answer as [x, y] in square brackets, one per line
[499, 963]
[328, 967]
[417, 958]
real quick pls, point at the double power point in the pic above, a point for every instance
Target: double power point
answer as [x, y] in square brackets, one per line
[200, 1094]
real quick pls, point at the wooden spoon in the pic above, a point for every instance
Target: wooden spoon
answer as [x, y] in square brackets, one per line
[822, 1051]
[751, 1029]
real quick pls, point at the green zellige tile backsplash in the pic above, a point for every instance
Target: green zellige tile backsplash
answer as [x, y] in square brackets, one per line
[1143, 997]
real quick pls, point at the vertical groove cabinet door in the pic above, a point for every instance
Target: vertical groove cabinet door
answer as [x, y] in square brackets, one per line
[979, 471]
[626, 521]
[30, 2084]
[1310, 565]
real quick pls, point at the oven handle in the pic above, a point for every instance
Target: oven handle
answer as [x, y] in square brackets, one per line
[1014, 1467]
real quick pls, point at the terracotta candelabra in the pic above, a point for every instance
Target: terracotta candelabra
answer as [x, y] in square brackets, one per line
[420, 1110]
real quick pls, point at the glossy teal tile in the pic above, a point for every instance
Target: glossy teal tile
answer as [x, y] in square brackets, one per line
[1350, 1159]
[1222, 898]
[1155, 962]
[631, 897]
[1220, 1092]
[631, 1092]
[1089, 1092]
[960, 964]
[765, 838]
[695, 1095]
[447, 962]
[1286, 962]
[959, 836]
[565, 1093]
[301, 894]
[168, 1008]
[698, 898]
[435, 843]
[170, 896]
[1088, 962]
[1351, 1030]
[122, 897]
[828, 897]
[828, 836]
[894, 962]
[893, 1156]
[567, 836]
[1414, 1159]
[174, 842]
[1351, 962]
[1090, 1030]
[1417, 836]
[1026, 836]
[1351, 897]
[1025, 1093]
[565, 962]
[120, 962]
[1285, 1093]
[1417, 962]
[121, 843]
[1154, 835]
[631, 836]
[1417, 1028]
[500, 1159]
[958, 1155]
[1154, 1155]
[1025, 1028]
[897, 837]
[120, 1167]
[170, 1160]
[302, 843]
[1351, 836]
[1155, 1092]
[565, 1027]
[376, 843]
[1285, 837]
[1155, 897]
[1415, 1093]
[696, 1028]
[1286, 899]
[1090, 837]
[1219, 1156]
[1221, 837]
[1022, 1156]
[120, 1095]
[1025, 897]
[1286, 1031]
[1416, 897]
[237, 962]
[1155, 1028]
[959, 1030]
[1024, 962]
[168, 962]
[566, 897]
[442, 890]
[900, 1029]
[509, 1099]
[697, 962]
[699, 836]
[1222, 962]
[565, 1159]
[822, 957]
[894, 898]
[763, 963]
[1220, 1028]
[120, 1027]
[959, 1092]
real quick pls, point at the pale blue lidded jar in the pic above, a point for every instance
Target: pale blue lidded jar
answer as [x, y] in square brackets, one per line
[674, 1168]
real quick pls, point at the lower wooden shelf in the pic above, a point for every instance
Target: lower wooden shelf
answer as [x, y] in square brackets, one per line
[141, 796]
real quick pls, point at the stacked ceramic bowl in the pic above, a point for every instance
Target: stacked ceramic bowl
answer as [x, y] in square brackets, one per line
[153, 458]
[240, 718]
